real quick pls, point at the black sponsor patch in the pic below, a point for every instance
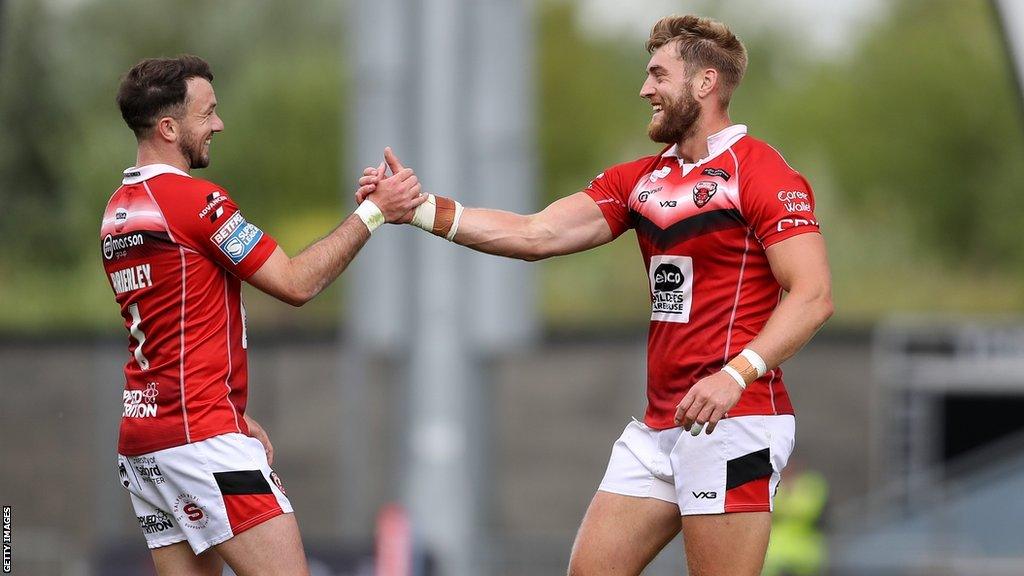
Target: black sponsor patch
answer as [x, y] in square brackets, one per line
[668, 277]
[242, 482]
[716, 172]
[748, 467]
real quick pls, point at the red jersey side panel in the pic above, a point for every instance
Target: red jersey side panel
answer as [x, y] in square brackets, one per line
[703, 229]
[174, 249]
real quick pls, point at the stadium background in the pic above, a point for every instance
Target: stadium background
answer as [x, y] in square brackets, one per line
[905, 116]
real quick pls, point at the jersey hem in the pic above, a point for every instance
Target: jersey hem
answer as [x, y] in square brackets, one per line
[661, 425]
[158, 446]
[255, 265]
[776, 238]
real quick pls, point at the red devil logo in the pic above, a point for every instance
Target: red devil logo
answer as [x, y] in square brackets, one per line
[703, 192]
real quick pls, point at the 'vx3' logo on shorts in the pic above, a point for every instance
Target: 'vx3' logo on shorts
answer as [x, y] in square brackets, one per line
[705, 495]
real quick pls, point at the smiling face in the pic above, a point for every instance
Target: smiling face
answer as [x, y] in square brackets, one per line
[668, 87]
[198, 123]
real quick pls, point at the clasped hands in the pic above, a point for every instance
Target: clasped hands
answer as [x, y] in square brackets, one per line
[398, 195]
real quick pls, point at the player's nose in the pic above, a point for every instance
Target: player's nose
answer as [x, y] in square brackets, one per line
[647, 89]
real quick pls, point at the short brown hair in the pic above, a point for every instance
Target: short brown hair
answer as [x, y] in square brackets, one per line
[156, 87]
[703, 43]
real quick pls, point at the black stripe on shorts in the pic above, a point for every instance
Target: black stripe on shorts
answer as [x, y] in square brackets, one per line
[242, 482]
[748, 467]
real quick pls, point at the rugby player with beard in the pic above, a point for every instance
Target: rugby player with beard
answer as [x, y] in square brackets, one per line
[739, 282]
[176, 249]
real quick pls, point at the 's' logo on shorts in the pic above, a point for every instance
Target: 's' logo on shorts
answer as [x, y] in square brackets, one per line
[189, 512]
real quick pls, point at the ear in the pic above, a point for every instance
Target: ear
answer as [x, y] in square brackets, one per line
[706, 82]
[167, 129]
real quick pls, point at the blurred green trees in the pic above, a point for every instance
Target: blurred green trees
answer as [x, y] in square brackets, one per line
[912, 140]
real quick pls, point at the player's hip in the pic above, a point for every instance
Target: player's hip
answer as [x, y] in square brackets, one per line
[735, 469]
[204, 492]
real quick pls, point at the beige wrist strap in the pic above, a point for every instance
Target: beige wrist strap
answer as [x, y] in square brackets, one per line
[439, 215]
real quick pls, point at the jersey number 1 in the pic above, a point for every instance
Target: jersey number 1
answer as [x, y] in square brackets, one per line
[136, 331]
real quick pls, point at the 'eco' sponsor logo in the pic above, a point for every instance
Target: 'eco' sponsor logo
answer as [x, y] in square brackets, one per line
[671, 279]
[667, 278]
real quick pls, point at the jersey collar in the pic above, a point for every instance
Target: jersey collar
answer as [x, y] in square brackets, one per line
[717, 143]
[134, 175]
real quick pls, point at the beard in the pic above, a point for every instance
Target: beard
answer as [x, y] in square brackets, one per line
[678, 120]
[191, 148]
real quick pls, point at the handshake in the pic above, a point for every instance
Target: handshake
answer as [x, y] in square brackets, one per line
[399, 199]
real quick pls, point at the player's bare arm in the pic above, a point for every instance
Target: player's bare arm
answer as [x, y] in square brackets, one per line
[568, 225]
[298, 280]
[800, 265]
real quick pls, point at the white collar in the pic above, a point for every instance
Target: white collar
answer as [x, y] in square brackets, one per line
[134, 175]
[717, 143]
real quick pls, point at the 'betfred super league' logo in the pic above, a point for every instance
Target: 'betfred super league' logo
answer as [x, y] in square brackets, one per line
[703, 192]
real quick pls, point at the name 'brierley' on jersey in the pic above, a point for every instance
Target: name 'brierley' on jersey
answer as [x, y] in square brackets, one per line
[175, 249]
[703, 229]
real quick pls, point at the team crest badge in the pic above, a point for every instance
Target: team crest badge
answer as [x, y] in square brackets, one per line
[703, 192]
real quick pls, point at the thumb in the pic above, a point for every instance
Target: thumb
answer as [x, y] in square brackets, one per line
[392, 161]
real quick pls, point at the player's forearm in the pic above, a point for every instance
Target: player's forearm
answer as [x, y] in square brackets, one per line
[795, 320]
[322, 262]
[503, 234]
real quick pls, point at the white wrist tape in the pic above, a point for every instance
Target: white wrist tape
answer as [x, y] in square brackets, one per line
[735, 376]
[438, 215]
[755, 360]
[450, 236]
[370, 214]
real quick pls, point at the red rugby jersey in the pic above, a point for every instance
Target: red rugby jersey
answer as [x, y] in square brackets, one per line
[175, 249]
[703, 229]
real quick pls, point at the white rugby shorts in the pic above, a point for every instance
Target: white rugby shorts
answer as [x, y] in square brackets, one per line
[204, 492]
[734, 469]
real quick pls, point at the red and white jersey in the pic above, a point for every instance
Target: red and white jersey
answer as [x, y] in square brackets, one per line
[703, 229]
[175, 249]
